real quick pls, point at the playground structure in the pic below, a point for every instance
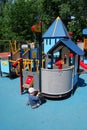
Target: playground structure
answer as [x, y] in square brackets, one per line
[49, 79]
[4, 62]
[57, 83]
[25, 50]
[83, 60]
[63, 81]
[13, 67]
[6, 65]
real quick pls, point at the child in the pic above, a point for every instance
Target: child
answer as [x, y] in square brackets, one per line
[34, 99]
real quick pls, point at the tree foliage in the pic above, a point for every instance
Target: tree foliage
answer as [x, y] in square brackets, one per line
[17, 18]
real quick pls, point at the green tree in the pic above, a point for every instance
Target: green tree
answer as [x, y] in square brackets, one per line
[17, 18]
[66, 9]
[76, 25]
[23, 15]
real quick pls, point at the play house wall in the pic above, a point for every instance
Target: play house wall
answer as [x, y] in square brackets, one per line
[49, 43]
[55, 81]
[68, 61]
[59, 82]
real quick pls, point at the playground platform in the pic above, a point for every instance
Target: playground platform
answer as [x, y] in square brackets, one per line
[67, 114]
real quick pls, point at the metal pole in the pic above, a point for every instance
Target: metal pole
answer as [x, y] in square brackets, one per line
[21, 76]
[40, 56]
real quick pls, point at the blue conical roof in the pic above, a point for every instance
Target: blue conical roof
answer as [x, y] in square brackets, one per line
[56, 30]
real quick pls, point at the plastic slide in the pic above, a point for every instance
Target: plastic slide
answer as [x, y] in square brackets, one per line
[83, 65]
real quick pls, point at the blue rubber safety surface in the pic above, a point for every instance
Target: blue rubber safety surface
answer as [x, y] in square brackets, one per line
[68, 114]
